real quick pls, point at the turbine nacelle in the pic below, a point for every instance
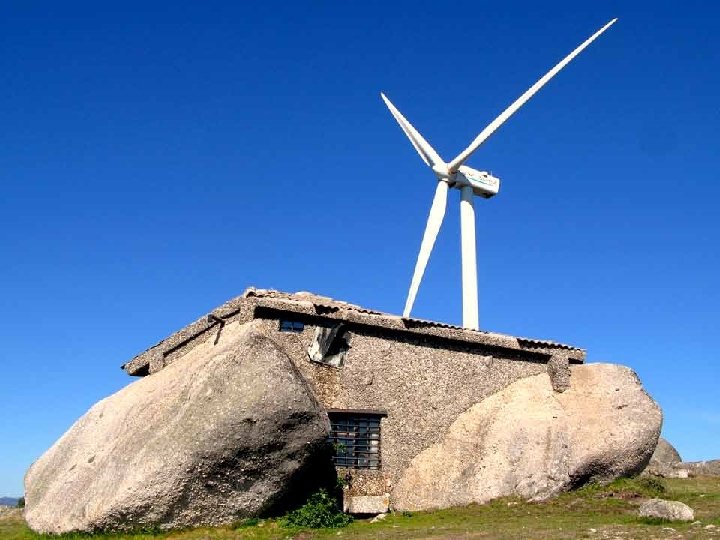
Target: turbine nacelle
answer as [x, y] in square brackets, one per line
[482, 183]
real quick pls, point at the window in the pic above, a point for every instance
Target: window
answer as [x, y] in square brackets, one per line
[291, 326]
[355, 436]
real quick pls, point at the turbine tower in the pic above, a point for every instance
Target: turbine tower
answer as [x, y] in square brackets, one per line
[470, 182]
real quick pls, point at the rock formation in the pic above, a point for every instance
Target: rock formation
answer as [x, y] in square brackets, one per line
[663, 461]
[530, 441]
[667, 463]
[229, 432]
[701, 468]
[662, 509]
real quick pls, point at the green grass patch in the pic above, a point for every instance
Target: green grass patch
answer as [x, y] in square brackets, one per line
[627, 488]
[591, 512]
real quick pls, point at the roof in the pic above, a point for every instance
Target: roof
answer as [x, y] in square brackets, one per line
[266, 302]
[307, 298]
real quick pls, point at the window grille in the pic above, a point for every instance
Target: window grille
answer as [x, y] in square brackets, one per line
[291, 326]
[355, 437]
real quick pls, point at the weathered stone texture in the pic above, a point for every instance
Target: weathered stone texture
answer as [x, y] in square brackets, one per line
[701, 468]
[558, 369]
[530, 441]
[422, 388]
[662, 509]
[663, 461]
[665, 453]
[225, 433]
[367, 504]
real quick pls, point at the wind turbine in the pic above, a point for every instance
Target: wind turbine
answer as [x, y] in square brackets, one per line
[470, 182]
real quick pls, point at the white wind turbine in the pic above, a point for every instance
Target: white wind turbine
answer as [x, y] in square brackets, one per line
[470, 182]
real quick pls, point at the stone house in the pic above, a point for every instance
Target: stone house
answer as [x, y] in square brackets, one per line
[387, 392]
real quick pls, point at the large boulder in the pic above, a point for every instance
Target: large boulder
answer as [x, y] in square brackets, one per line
[227, 431]
[670, 510]
[532, 442]
[663, 461]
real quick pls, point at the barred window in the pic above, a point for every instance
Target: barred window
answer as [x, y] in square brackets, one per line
[355, 436]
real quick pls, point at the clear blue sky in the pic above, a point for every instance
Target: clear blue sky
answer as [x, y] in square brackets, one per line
[158, 158]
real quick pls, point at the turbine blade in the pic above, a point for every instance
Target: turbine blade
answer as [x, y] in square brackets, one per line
[507, 113]
[435, 219]
[427, 152]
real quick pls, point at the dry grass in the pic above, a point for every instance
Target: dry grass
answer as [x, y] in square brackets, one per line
[593, 512]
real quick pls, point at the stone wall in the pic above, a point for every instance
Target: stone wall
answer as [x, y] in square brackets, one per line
[422, 389]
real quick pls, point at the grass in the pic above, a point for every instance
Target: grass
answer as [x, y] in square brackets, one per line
[593, 512]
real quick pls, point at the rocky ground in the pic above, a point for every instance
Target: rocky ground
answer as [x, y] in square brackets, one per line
[593, 512]
[667, 463]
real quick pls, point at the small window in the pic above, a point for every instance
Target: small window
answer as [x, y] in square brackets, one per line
[355, 436]
[291, 326]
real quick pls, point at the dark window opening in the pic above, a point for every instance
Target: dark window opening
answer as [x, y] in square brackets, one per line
[291, 326]
[355, 437]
